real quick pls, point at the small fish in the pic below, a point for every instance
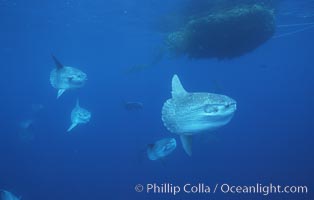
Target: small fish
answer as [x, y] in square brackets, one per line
[79, 116]
[6, 195]
[161, 148]
[133, 106]
[66, 77]
[188, 114]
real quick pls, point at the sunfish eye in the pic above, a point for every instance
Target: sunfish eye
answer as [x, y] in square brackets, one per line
[210, 109]
[229, 104]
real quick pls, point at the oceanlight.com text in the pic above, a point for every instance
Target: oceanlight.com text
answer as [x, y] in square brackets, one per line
[225, 188]
[263, 189]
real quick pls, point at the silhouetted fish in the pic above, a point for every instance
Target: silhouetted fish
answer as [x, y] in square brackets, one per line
[133, 106]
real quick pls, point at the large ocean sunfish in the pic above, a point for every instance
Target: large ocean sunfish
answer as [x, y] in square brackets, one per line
[65, 77]
[79, 116]
[188, 114]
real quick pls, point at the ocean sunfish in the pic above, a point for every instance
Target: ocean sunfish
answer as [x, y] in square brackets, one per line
[6, 195]
[79, 116]
[188, 114]
[161, 148]
[65, 77]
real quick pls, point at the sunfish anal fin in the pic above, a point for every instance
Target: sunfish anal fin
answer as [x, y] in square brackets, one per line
[60, 92]
[177, 88]
[186, 141]
[57, 62]
[71, 127]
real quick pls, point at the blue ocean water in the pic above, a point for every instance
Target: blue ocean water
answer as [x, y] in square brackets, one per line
[269, 140]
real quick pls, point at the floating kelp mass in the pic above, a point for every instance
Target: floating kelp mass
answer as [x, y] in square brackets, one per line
[223, 33]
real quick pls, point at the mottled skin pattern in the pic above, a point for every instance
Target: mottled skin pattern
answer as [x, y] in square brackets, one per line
[187, 114]
[190, 113]
[197, 112]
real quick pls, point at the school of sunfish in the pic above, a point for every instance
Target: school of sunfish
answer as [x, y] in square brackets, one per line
[185, 114]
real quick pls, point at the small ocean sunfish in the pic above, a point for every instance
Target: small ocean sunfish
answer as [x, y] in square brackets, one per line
[79, 116]
[65, 77]
[6, 195]
[161, 148]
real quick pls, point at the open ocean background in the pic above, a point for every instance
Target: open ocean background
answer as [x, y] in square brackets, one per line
[269, 140]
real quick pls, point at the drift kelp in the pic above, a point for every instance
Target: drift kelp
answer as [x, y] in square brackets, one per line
[223, 33]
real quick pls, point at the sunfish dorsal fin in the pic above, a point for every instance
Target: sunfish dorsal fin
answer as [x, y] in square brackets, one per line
[71, 127]
[57, 62]
[186, 141]
[177, 88]
[60, 92]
